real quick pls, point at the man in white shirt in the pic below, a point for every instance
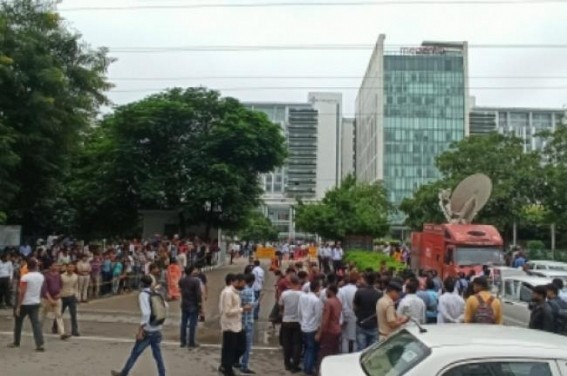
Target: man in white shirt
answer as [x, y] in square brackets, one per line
[291, 330]
[337, 256]
[6, 275]
[346, 297]
[310, 310]
[148, 333]
[258, 285]
[451, 308]
[411, 305]
[28, 304]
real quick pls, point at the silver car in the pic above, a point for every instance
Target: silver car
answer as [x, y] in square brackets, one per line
[516, 294]
[457, 350]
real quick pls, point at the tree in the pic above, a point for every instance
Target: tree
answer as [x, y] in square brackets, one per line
[185, 150]
[51, 86]
[350, 209]
[258, 228]
[516, 176]
[423, 207]
[554, 198]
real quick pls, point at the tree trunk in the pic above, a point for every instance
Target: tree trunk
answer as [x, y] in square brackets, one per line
[182, 225]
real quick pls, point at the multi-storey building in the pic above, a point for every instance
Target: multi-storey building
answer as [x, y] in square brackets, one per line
[312, 132]
[525, 123]
[412, 105]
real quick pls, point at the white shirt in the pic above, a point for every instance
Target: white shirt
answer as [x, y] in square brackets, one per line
[182, 258]
[346, 297]
[6, 269]
[306, 287]
[326, 252]
[451, 308]
[337, 254]
[413, 306]
[309, 311]
[258, 278]
[290, 302]
[34, 282]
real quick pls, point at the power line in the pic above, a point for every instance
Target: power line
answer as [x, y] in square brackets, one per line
[301, 4]
[309, 47]
[262, 88]
[185, 78]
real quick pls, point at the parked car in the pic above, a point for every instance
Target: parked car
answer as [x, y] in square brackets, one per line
[546, 265]
[516, 295]
[550, 273]
[457, 350]
[499, 273]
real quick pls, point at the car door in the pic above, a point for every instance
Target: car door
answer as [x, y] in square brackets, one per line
[503, 367]
[516, 311]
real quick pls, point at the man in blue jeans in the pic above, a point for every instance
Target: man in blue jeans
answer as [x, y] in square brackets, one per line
[191, 301]
[148, 335]
[310, 310]
[365, 300]
[248, 298]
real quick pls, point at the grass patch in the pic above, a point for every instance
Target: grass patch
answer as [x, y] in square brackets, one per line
[371, 260]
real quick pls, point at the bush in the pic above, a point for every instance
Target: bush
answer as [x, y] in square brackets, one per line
[536, 245]
[371, 260]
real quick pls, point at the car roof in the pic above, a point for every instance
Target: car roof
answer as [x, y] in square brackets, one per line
[533, 280]
[548, 262]
[487, 335]
[551, 272]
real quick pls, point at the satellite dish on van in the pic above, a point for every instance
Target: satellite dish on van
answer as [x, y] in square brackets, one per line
[467, 199]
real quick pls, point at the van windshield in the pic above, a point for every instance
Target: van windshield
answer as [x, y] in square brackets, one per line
[479, 256]
[394, 357]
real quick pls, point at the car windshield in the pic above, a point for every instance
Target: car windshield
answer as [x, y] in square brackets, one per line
[479, 256]
[394, 357]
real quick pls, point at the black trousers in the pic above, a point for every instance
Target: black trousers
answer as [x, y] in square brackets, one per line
[33, 312]
[233, 347]
[71, 302]
[5, 292]
[291, 341]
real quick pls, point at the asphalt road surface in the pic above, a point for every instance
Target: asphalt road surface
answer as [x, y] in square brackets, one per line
[108, 326]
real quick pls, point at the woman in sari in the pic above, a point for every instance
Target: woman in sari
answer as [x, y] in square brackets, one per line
[173, 276]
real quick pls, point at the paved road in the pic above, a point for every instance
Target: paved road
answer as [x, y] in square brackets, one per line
[107, 327]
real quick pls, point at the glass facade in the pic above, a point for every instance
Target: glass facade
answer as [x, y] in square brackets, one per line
[424, 113]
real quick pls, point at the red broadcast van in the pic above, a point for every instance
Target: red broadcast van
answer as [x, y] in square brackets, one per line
[452, 248]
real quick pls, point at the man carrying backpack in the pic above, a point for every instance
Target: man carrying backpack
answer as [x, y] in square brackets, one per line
[153, 308]
[483, 307]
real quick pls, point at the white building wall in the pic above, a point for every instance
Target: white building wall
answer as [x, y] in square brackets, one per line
[370, 119]
[347, 148]
[329, 107]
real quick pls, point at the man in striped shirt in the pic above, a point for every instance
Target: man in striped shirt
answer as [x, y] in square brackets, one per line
[248, 298]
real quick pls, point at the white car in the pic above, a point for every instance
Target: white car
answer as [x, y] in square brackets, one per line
[516, 295]
[457, 350]
[550, 273]
[546, 265]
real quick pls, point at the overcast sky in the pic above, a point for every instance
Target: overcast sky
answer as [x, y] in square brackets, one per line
[488, 24]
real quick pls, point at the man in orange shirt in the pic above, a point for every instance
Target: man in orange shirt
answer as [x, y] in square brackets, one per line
[483, 307]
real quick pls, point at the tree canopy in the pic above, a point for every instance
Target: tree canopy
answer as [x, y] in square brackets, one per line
[516, 176]
[257, 227]
[188, 150]
[350, 209]
[51, 86]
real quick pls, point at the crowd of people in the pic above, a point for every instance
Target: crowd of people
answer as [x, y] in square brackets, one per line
[328, 307]
[322, 308]
[108, 269]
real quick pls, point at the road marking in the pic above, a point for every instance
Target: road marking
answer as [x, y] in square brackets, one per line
[131, 340]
